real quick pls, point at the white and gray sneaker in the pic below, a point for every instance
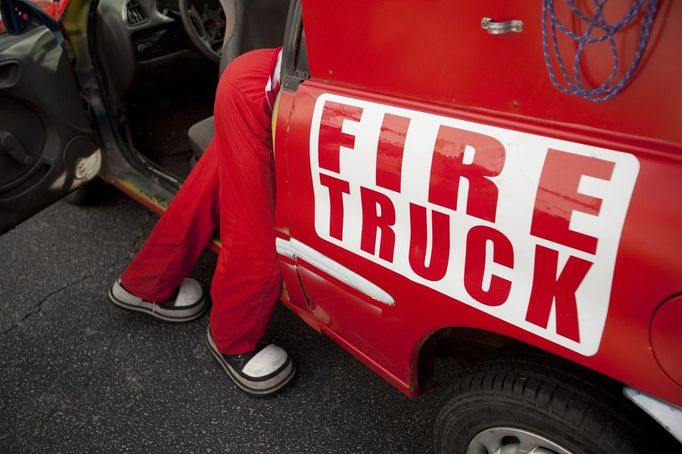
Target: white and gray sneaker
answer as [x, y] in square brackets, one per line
[188, 303]
[259, 373]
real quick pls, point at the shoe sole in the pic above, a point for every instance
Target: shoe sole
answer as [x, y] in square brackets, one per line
[289, 372]
[156, 315]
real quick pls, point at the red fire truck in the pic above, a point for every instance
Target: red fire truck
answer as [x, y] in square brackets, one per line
[495, 181]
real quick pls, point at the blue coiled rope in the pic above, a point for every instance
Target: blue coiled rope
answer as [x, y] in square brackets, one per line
[610, 87]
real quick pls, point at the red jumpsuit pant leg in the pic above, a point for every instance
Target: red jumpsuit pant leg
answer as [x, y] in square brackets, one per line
[233, 182]
[179, 237]
[247, 280]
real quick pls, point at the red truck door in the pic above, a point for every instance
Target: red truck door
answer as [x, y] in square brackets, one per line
[427, 190]
[437, 180]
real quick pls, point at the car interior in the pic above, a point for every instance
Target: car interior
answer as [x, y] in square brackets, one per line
[159, 70]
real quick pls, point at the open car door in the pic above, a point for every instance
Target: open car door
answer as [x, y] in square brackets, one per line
[48, 146]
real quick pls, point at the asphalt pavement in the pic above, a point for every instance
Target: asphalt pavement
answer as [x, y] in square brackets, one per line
[80, 375]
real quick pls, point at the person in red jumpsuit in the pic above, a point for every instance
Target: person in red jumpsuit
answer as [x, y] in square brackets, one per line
[231, 188]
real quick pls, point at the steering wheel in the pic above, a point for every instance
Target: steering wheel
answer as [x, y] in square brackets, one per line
[204, 22]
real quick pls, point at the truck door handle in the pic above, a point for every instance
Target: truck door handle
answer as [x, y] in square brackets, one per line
[499, 28]
[10, 71]
[10, 145]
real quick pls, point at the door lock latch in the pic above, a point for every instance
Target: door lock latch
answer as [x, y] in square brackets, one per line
[10, 145]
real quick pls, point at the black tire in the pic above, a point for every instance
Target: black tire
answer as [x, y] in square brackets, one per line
[92, 193]
[531, 392]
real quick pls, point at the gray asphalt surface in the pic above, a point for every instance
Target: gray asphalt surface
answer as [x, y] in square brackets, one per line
[80, 375]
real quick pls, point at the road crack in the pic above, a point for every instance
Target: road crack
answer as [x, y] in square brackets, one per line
[39, 305]
[137, 243]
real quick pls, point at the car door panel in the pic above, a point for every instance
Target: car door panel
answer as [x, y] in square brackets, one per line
[47, 144]
[361, 145]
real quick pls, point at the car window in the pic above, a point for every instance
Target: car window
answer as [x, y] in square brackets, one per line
[49, 7]
[52, 8]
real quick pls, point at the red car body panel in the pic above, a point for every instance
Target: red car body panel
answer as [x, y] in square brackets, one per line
[439, 52]
[435, 65]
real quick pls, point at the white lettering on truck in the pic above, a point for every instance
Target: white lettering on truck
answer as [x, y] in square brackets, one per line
[522, 227]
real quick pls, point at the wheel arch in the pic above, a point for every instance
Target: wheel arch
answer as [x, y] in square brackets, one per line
[465, 346]
[455, 348]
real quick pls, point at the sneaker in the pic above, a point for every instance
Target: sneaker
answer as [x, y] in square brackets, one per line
[259, 373]
[188, 303]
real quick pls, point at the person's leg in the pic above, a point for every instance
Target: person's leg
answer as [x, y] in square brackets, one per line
[155, 282]
[180, 236]
[247, 280]
[234, 182]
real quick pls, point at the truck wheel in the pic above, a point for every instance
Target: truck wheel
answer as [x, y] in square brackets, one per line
[531, 402]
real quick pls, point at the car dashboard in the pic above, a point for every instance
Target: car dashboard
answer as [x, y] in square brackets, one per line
[142, 43]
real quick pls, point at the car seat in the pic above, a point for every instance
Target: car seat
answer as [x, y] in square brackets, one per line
[249, 25]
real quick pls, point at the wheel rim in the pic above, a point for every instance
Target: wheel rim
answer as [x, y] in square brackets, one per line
[508, 440]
